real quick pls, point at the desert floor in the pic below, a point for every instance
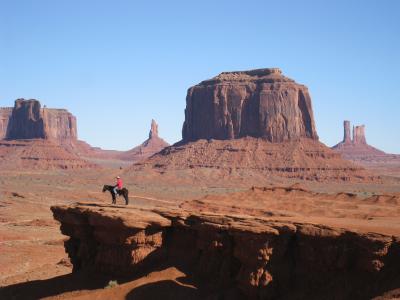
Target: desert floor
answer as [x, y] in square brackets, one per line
[31, 245]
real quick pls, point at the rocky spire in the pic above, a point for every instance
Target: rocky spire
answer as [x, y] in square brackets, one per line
[347, 136]
[359, 135]
[153, 130]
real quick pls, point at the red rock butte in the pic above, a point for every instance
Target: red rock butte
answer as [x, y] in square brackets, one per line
[28, 120]
[36, 137]
[258, 122]
[356, 147]
[257, 103]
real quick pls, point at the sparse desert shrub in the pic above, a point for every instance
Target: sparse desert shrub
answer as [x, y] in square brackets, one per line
[111, 284]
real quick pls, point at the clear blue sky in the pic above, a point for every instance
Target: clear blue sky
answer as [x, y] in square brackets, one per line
[118, 64]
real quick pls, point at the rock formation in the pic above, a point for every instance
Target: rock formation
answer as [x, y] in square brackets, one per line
[358, 151]
[29, 120]
[250, 257]
[153, 130]
[357, 147]
[38, 138]
[5, 114]
[359, 134]
[152, 145]
[347, 135]
[255, 124]
[258, 103]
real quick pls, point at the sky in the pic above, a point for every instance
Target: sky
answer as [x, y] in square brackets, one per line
[117, 64]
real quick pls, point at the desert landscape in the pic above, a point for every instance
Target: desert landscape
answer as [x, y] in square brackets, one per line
[190, 150]
[248, 203]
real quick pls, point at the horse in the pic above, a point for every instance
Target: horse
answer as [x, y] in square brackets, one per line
[124, 192]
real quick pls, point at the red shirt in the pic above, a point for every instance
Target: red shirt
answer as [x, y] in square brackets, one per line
[119, 183]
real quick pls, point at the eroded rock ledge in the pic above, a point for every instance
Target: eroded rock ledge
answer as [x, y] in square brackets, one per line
[259, 258]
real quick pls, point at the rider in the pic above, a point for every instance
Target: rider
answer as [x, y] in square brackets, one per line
[118, 186]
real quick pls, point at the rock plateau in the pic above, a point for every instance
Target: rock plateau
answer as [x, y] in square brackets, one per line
[230, 249]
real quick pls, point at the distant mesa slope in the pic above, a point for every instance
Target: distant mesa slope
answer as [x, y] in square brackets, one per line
[252, 123]
[39, 154]
[357, 148]
[258, 103]
[149, 147]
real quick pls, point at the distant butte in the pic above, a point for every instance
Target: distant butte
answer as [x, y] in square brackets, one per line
[250, 124]
[258, 103]
[356, 147]
[35, 137]
[29, 120]
[149, 147]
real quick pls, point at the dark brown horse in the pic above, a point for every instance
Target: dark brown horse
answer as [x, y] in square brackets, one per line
[124, 192]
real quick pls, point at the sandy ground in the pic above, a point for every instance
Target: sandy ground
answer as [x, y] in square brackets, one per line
[31, 244]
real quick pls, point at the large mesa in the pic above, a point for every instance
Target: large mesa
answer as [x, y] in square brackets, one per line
[28, 120]
[257, 103]
[250, 124]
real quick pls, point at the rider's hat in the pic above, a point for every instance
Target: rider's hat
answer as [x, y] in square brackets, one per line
[118, 177]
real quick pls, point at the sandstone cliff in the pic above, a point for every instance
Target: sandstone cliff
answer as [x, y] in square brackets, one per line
[5, 114]
[258, 103]
[29, 120]
[277, 254]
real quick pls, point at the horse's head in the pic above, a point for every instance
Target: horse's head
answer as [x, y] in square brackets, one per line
[104, 188]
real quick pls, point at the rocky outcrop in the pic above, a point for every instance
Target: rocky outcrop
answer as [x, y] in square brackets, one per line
[257, 103]
[357, 148]
[254, 124]
[152, 145]
[153, 130]
[29, 120]
[359, 151]
[5, 114]
[250, 257]
[347, 135]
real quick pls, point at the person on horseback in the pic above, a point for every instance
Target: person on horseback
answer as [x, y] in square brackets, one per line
[118, 186]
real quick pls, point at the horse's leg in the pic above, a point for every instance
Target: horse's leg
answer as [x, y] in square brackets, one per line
[113, 197]
[126, 198]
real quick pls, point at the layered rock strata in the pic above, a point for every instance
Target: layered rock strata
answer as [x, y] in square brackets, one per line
[258, 103]
[253, 160]
[29, 120]
[255, 257]
[5, 114]
[39, 154]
